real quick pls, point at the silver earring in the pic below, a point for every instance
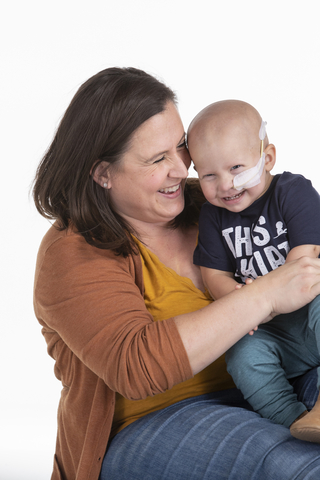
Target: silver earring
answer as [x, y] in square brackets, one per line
[105, 185]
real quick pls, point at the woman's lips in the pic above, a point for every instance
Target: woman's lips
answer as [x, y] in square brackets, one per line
[170, 190]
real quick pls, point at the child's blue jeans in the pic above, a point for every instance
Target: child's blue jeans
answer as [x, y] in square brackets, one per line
[284, 348]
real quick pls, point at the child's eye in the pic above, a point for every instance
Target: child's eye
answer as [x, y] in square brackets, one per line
[208, 175]
[235, 167]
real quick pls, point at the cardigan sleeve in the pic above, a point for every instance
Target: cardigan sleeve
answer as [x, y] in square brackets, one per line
[91, 306]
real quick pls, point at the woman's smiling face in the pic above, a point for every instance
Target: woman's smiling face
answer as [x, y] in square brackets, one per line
[146, 186]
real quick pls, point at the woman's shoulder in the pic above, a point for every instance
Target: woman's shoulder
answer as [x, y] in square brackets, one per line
[68, 250]
[69, 240]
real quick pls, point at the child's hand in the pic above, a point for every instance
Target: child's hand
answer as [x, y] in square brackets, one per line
[252, 331]
[240, 285]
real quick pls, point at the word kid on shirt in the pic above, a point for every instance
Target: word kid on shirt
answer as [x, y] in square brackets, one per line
[254, 248]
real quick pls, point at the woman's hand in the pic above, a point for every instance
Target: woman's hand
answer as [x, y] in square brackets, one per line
[292, 285]
[211, 331]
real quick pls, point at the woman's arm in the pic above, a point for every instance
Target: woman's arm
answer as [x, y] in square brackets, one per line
[92, 308]
[208, 333]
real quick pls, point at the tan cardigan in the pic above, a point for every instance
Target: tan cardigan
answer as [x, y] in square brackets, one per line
[103, 340]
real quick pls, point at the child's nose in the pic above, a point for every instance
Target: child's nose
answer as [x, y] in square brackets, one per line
[226, 182]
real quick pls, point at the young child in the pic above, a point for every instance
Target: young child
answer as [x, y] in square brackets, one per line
[253, 223]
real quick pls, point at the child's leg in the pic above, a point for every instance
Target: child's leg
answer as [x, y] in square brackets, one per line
[314, 326]
[308, 427]
[256, 370]
[261, 365]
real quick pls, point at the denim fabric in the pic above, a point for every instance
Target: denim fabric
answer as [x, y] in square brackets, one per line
[215, 437]
[281, 349]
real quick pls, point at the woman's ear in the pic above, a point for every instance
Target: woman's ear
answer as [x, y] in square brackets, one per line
[270, 159]
[101, 176]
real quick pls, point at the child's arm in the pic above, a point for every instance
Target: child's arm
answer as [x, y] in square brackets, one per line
[303, 251]
[218, 283]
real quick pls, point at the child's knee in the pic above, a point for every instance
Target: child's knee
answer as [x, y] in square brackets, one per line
[239, 356]
[314, 313]
[249, 355]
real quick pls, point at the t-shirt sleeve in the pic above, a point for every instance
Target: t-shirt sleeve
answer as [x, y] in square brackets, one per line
[210, 251]
[301, 210]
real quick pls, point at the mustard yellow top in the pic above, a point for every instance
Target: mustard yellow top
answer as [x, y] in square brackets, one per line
[167, 295]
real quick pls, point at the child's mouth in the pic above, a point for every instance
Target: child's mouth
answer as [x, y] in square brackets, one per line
[234, 197]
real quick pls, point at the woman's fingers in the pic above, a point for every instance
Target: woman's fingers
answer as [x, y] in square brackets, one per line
[293, 285]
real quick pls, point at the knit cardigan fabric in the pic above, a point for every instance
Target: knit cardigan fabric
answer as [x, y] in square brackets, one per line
[90, 304]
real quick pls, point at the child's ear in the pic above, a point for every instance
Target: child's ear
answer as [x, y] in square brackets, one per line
[270, 159]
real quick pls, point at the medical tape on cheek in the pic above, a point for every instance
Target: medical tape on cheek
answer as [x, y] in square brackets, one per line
[251, 177]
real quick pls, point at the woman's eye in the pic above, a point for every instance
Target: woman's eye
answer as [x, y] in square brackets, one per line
[183, 144]
[160, 160]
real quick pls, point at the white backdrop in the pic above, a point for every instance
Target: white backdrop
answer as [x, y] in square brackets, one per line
[266, 53]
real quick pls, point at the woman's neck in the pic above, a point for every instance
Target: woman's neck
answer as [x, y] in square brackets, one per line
[174, 248]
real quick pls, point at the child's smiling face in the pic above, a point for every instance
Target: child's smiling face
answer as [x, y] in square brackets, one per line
[221, 148]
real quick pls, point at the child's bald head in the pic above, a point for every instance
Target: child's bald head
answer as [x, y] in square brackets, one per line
[224, 122]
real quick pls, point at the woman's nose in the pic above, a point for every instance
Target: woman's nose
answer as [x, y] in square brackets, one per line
[180, 166]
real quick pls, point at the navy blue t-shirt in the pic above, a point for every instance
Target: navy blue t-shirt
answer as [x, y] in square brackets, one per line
[257, 240]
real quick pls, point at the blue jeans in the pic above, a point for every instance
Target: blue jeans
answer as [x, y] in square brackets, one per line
[284, 348]
[213, 437]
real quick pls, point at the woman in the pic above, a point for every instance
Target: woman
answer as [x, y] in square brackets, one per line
[136, 340]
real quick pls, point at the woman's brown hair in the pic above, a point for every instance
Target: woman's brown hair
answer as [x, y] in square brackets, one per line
[97, 127]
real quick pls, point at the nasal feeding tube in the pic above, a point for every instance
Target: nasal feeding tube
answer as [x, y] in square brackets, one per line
[251, 177]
